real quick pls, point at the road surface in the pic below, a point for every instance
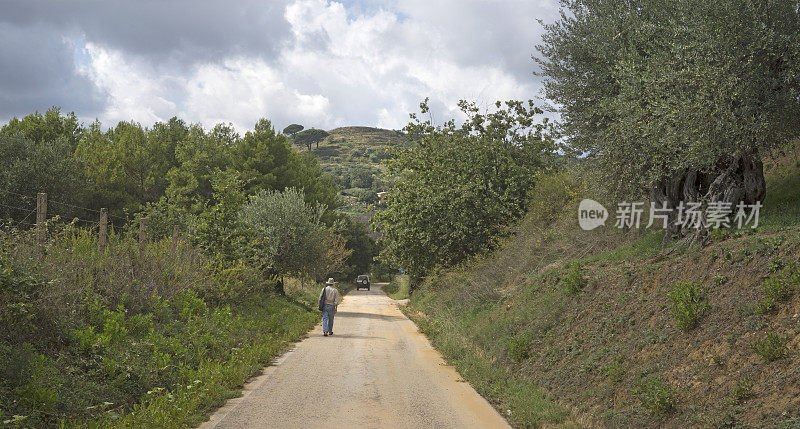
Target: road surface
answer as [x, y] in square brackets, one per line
[376, 371]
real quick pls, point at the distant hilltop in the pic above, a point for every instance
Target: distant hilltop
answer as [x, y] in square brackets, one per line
[366, 136]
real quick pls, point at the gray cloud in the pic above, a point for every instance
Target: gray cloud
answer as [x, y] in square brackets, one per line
[320, 63]
[38, 71]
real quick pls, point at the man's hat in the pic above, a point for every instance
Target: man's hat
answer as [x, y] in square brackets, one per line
[330, 281]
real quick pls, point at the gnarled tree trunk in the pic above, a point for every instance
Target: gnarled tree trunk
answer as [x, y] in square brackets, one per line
[741, 179]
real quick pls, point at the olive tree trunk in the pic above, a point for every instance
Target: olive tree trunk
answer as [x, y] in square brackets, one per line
[741, 179]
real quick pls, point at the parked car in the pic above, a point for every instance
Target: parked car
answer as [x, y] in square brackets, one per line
[362, 282]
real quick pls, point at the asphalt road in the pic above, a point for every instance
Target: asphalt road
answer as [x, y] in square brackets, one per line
[376, 371]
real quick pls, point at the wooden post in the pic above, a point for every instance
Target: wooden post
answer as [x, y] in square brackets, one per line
[142, 234]
[41, 218]
[174, 239]
[103, 237]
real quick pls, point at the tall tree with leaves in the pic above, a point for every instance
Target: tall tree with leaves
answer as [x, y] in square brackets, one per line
[677, 98]
[310, 137]
[293, 129]
[459, 188]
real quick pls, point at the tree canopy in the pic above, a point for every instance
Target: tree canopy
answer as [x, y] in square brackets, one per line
[293, 129]
[310, 137]
[459, 188]
[676, 98]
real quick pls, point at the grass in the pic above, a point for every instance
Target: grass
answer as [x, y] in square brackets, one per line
[519, 400]
[399, 287]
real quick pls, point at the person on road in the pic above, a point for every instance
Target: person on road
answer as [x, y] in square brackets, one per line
[331, 299]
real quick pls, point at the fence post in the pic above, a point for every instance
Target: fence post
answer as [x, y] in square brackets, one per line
[174, 239]
[103, 237]
[41, 218]
[142, 234]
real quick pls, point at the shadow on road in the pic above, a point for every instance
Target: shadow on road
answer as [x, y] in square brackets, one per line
[366, 315]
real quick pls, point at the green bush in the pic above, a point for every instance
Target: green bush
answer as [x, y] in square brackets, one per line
[742, 390]
[688, 304]
[519, 347]
[573, 280]
[771, 347]
[655, 395]
[778, 287]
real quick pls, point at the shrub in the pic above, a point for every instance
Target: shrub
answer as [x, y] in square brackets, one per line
[519, 347]
[687, 304]
[778, 286]
[573, 280]
[655, 395]
[772, 347]
[742, 390]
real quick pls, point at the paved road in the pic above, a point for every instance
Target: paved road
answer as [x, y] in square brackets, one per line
[376, 371]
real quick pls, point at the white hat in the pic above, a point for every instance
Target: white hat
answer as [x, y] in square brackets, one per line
[330, 281]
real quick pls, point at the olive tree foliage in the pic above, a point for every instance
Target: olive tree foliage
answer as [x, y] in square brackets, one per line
[676, 98]
[294, 240]
[459, 188]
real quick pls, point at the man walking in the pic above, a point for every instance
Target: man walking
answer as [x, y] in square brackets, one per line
[330, 299]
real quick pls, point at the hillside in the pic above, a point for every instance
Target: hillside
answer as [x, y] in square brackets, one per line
[353, 156]
[561, 321]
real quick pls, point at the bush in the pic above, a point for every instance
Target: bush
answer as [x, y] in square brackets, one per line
[687, 304]
[778, 287]
[519, 347]
[772, 347]
[655, 395]
[742, 390]
[573, 280]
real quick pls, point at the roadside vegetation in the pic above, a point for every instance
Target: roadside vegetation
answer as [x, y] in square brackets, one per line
[680, 324]
[167, 319]
[399, 287]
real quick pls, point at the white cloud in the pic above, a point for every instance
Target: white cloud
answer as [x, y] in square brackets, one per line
[340, 66]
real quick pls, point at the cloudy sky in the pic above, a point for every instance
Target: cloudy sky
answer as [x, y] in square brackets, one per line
[319, 63]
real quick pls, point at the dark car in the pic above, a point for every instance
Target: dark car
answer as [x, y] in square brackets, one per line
[362, 282]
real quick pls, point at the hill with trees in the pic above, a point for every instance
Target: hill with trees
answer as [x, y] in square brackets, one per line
[354, 158]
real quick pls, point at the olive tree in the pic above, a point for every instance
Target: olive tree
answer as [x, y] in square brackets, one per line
[679, 99]
[293, 239]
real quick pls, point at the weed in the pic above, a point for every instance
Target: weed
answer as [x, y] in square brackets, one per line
[687, 304]
[775, 265]
[655, 337]
[717, 359]
[719, 279]
[519, 347]
[772, 347]
[742, 390]
[655, 395]
[573, 280]
[778, 286]
[614, 370]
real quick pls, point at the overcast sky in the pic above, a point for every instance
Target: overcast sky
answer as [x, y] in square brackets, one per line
[319, 63]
